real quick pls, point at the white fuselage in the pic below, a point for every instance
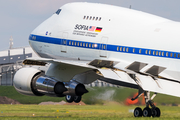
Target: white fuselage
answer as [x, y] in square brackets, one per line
[87, 31]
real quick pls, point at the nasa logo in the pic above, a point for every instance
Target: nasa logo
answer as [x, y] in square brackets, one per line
[81, 27]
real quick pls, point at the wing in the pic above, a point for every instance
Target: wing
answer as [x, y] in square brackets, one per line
[65, 70]
[118, 73]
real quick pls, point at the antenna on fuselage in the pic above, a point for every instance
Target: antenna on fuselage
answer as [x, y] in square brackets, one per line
[11, 43]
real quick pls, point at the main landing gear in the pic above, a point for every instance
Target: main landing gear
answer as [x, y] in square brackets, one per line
[70, 98]
[148, 112]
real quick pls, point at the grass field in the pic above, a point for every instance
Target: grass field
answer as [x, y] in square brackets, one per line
[95, 110]
[76, 112]
[94, 96]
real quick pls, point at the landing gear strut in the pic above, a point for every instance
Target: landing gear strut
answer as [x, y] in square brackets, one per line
[70, 98]
[147, 112]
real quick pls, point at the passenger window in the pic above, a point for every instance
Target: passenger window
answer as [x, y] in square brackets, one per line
[78, 43]
[127, 49]
[86, 44]
[87, 17]
[156, 52]
[133, 50]
[124, 49]
[149, 52]
[167, 54]
[175, 55]
[93, 18]
[75, 43]
[117, 48]
[84, 17]
[72, 43]
[92, 45]
[96, 18]
[162, 53]
[159, 53]
[146, 51]
[90, 18]
[100, 19]
[104, 47]
[69, 42]
[171, 54]
[178, 55]
[139, 50]
[89, 45]
[121, 49]
[153, 52]
[81, 44]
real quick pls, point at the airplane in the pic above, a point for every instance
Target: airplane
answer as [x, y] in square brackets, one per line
[82, 42]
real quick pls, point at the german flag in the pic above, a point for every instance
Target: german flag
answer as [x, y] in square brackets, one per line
[98, 29]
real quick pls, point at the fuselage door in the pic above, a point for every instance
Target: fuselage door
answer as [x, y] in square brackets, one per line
[103, 47]
[64, 42]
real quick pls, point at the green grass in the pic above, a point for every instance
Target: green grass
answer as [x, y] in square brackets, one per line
[96, 111]
[75, 112]
[92, 97]
[10, 92]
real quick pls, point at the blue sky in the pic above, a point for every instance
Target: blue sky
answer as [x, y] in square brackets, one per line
[18, 18]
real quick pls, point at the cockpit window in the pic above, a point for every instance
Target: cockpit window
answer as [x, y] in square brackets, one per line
[58, 11]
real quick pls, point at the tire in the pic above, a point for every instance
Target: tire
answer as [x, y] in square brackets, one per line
[147, 112]
[77, 99]
[156, 112]
[69, 98]
[138, 112]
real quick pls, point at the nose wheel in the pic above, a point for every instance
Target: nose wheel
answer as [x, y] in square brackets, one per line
[77, 99]
[70, 98]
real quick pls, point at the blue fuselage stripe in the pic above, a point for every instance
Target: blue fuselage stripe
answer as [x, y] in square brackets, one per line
[107, 47]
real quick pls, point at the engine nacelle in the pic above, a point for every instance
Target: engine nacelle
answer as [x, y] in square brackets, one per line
[31, 81]
[22, 80]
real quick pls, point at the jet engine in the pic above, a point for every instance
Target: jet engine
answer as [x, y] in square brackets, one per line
[31, 81]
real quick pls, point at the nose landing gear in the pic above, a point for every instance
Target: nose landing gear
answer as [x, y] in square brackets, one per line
[70, 98]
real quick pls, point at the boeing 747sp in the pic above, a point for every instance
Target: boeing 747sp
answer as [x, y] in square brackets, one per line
[83, 42]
